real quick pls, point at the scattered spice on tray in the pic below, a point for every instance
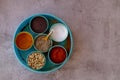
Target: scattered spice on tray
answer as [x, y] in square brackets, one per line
[36, 60]
[24, 40]
[57, 54]
[41, 44]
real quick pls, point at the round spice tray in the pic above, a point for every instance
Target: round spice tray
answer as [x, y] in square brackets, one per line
[22, 55]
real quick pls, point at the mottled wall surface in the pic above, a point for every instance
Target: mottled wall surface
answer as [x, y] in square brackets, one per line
[96, 30]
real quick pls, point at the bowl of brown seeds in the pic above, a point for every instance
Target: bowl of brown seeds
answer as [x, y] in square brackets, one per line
[36, 60]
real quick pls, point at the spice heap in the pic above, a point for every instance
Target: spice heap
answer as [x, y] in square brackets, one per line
[36, 60]
[24, 40]
[57, 55]
[60, 32]
[38, 24]
[41, 44]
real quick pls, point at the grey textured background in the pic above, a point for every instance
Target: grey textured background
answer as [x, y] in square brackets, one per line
[95, 25]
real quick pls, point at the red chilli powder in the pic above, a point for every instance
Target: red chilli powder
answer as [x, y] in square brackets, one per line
[57, 54]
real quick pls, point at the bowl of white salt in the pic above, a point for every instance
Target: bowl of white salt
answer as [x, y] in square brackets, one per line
[60, 32]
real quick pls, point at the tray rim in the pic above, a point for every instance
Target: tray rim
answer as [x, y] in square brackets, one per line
[71, 38]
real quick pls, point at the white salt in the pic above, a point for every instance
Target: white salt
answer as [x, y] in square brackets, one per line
[60, 32]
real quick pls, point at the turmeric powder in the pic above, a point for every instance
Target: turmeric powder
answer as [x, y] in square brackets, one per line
[24, 40]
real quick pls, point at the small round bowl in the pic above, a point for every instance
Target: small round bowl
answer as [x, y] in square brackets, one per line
[36, 39]
[19, 35]
[36, 17]
[60, 32]
[54, 63]
[33, 53]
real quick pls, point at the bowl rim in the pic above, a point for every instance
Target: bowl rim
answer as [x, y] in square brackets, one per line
[20, 34]
[51, 49]
[71, 47]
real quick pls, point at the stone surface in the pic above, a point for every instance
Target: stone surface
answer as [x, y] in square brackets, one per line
[95, 25]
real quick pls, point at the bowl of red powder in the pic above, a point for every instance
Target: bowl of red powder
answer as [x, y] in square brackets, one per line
[57, 54]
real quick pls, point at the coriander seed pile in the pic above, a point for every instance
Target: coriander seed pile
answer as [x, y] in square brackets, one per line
[36, 60]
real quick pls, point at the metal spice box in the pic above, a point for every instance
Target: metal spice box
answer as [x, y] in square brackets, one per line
[22, 55]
